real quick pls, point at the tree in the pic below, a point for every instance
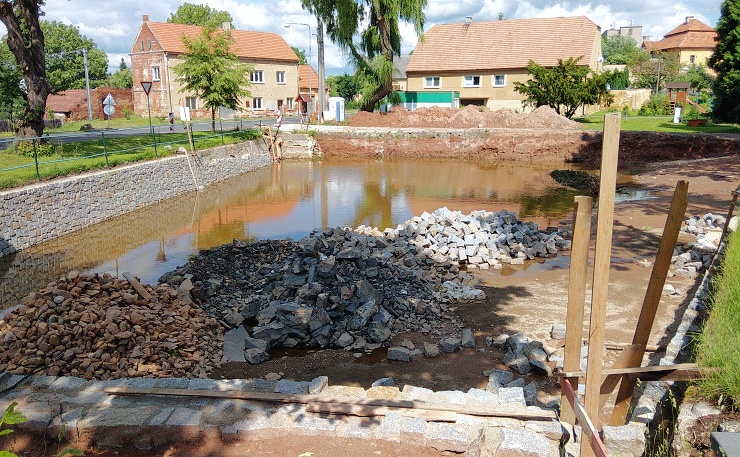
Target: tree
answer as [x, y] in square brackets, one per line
[344, 86]
[564, 87]
[122, 78]
[620, 50]
[11, 95]
[203, 15]
[726, 62]
[301, 55]
[212, 71]
[65, 62]
[651, 72]
[375, 24]
[26, 41]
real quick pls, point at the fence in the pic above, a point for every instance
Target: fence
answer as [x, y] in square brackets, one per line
[60, 154]
[7, 126]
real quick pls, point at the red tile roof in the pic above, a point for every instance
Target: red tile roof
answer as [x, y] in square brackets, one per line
[692, 34]
[304, 71]
[247, 44]
[504, 44]
[66, 101]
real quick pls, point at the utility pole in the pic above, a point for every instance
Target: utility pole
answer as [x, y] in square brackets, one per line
[87, 86]
[322, 88]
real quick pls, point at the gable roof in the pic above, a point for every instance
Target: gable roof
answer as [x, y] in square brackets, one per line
[505, 44]
[399, 66]
[691, 34]
[66, 101]
[304, 71]
[247, 44]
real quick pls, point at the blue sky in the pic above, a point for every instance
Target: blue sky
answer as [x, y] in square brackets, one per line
[113, 24]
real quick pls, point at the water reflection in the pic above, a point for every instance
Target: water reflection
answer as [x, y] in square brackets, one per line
[285, 200]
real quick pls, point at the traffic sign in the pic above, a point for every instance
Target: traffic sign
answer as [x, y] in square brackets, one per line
[109, 110]
[147, 85]
[108, 101]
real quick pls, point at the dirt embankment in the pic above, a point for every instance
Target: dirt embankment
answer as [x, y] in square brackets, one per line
[541, 135]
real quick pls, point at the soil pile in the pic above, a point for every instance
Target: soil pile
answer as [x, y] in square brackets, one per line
[97, 327]
[543, 117]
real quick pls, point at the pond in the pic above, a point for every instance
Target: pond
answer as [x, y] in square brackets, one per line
[289, 199]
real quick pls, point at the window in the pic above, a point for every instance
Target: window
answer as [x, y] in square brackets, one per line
[281, 77]
[257, 103]
[289, 103]
[191, 102]
[498, 80]
[471, 81]
[155, 73]
[431, 82]
[150, 45]
[692, 58]
[142, 45]
[257, 76]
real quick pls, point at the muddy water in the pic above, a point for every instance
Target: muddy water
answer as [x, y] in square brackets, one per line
[285, 200]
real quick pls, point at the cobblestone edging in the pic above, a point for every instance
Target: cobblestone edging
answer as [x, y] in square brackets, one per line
[78, 408]
[38, 213]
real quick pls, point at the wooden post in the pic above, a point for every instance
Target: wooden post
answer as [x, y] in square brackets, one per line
[576, 297]
[607, 189]
[652, 296]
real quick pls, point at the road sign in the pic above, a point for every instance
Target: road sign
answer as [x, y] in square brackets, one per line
[109, 110]
[147, 85]
[108, 101]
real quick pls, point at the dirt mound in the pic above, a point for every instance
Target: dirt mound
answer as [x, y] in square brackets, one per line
[543, 117]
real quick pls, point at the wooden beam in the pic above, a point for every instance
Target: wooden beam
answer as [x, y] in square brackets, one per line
[137, 285]
[370, 411]
[612, 380]
[636, 371]
[602, 258]
[596, 447]
[735, 194]
[652, 296]
[582, 207]
[305, 399]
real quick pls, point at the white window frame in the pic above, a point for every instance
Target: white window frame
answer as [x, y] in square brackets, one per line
[493, 80]
[257, 77]
[470, 81]
[280, 77]
[289, 103]
[432, 82]
[191, 102]
[155, 73]
[257, 104]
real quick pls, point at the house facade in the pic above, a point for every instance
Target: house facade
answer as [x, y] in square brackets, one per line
[482, 60]
[692, 42]
[159, 48]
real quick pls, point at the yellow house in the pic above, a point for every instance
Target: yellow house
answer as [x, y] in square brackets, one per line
[693, 42]
[482, 60]
[158, 48]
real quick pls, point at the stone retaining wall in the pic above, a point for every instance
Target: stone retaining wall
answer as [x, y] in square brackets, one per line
[38, 213]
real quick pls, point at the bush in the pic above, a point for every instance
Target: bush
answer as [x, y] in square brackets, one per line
[39, 148]
[690, 112]
[658, 105]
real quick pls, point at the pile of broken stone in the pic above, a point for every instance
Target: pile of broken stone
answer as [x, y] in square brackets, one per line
[356, 289]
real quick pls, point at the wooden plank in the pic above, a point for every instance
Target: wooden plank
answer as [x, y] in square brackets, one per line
[652, 296]
[582, 207]
[596, 447]
[370, 411]
[137, 285]
[602, 258]
[636, 370]
[611, 381]
[735, 194]
[305, 399]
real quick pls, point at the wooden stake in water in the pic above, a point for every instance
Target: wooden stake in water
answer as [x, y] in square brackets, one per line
[607, 189]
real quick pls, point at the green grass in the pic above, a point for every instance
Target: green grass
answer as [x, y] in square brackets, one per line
[654, 124]
[719, 341]
[78, 157]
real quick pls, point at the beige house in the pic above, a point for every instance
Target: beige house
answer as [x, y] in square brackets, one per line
[482, 60]
[693, 42]
[158, 49]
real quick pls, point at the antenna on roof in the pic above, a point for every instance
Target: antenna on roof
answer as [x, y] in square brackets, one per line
[468, 20]
[500, 16]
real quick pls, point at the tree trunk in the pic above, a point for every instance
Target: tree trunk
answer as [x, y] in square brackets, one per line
[213, 118]
[385, 82]
[26, 42]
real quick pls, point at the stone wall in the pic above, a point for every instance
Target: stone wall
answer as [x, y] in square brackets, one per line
[38, 213]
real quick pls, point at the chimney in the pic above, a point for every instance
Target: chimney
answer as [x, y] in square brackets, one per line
[468, 20]
[689, 18]
[226, 26]
[145, 18]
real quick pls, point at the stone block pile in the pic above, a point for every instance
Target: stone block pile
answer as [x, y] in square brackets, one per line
[355, 289]
[695, 257]
[97, 327]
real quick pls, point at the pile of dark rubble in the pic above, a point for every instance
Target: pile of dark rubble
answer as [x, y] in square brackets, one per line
[98, 327]
[357, 288]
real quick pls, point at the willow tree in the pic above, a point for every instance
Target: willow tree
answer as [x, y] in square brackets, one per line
[26, 41]
[368, 31]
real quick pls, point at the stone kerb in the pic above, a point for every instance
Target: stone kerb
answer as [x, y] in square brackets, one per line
[40, 212]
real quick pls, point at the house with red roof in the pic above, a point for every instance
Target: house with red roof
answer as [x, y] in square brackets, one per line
[159, 48]
[482, 60]
[693, 42]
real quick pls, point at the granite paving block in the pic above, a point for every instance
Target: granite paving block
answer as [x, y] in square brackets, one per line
[511, 395]
[286, 386]
[140, 383]
[353, 427]
[445, 437]
[448, 396]
[390, 428]
[42, 381]
[171, 383]
[161, 417]
[184, 417]
[412, 430]
[626, 440]
[67, 383]
[318, 384]
[480, 396]
[117, 417]
[417, 393]
[203, 384]
[518, 442]
[553, 430]
[313, 425]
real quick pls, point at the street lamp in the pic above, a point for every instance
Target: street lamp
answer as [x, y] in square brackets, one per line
[87, 78]
[310, 72]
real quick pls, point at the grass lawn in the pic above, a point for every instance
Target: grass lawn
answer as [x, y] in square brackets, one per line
[719, 340]
[654, 124]
[71, 158]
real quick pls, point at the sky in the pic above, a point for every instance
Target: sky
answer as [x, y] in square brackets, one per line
[113, 25]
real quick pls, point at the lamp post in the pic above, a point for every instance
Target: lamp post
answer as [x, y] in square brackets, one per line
[87, 78]
[310, 73]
